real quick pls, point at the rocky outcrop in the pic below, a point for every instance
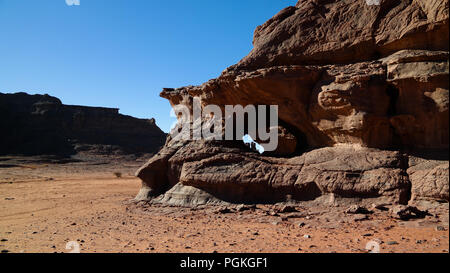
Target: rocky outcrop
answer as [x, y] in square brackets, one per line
[429, 178]
[363, 104]
[229, 173]
[41, 124]
[341, 32]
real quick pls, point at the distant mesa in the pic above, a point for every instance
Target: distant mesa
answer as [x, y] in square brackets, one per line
[42, 125]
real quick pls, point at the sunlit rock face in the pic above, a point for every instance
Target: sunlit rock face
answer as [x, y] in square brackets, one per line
[362, 94]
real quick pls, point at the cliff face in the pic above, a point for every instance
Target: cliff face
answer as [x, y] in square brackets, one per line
[341, 32]
[363, 110]
[41, 124]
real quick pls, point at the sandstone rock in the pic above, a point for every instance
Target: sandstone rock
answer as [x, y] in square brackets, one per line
[338, 104]
[183, 196]
[429, 179]
[421, 110]
[363, 102]
[347, 31]
[233, 175]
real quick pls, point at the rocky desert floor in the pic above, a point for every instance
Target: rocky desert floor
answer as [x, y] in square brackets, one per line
[49, 205]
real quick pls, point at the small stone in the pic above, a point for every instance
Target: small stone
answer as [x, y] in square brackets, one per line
[273, 213]
[224, 210]
[380, 206]
[243, 207]
[287, 209]
[355, 209]
[391, 243]
[440, 228]
[301, 224]
[307, 236]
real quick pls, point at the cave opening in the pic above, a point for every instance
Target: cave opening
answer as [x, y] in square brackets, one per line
[248, 134]
[302, 143]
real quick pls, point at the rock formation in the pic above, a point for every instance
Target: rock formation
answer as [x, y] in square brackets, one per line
[363, 96]
[41, 124]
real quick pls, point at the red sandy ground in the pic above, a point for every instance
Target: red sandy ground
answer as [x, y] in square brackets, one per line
[43, 207]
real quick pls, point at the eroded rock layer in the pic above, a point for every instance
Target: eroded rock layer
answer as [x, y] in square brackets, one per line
[363, 96]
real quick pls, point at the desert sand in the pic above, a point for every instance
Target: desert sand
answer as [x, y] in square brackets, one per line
[44, 206]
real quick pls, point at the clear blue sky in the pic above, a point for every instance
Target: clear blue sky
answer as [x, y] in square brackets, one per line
[121, 53]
